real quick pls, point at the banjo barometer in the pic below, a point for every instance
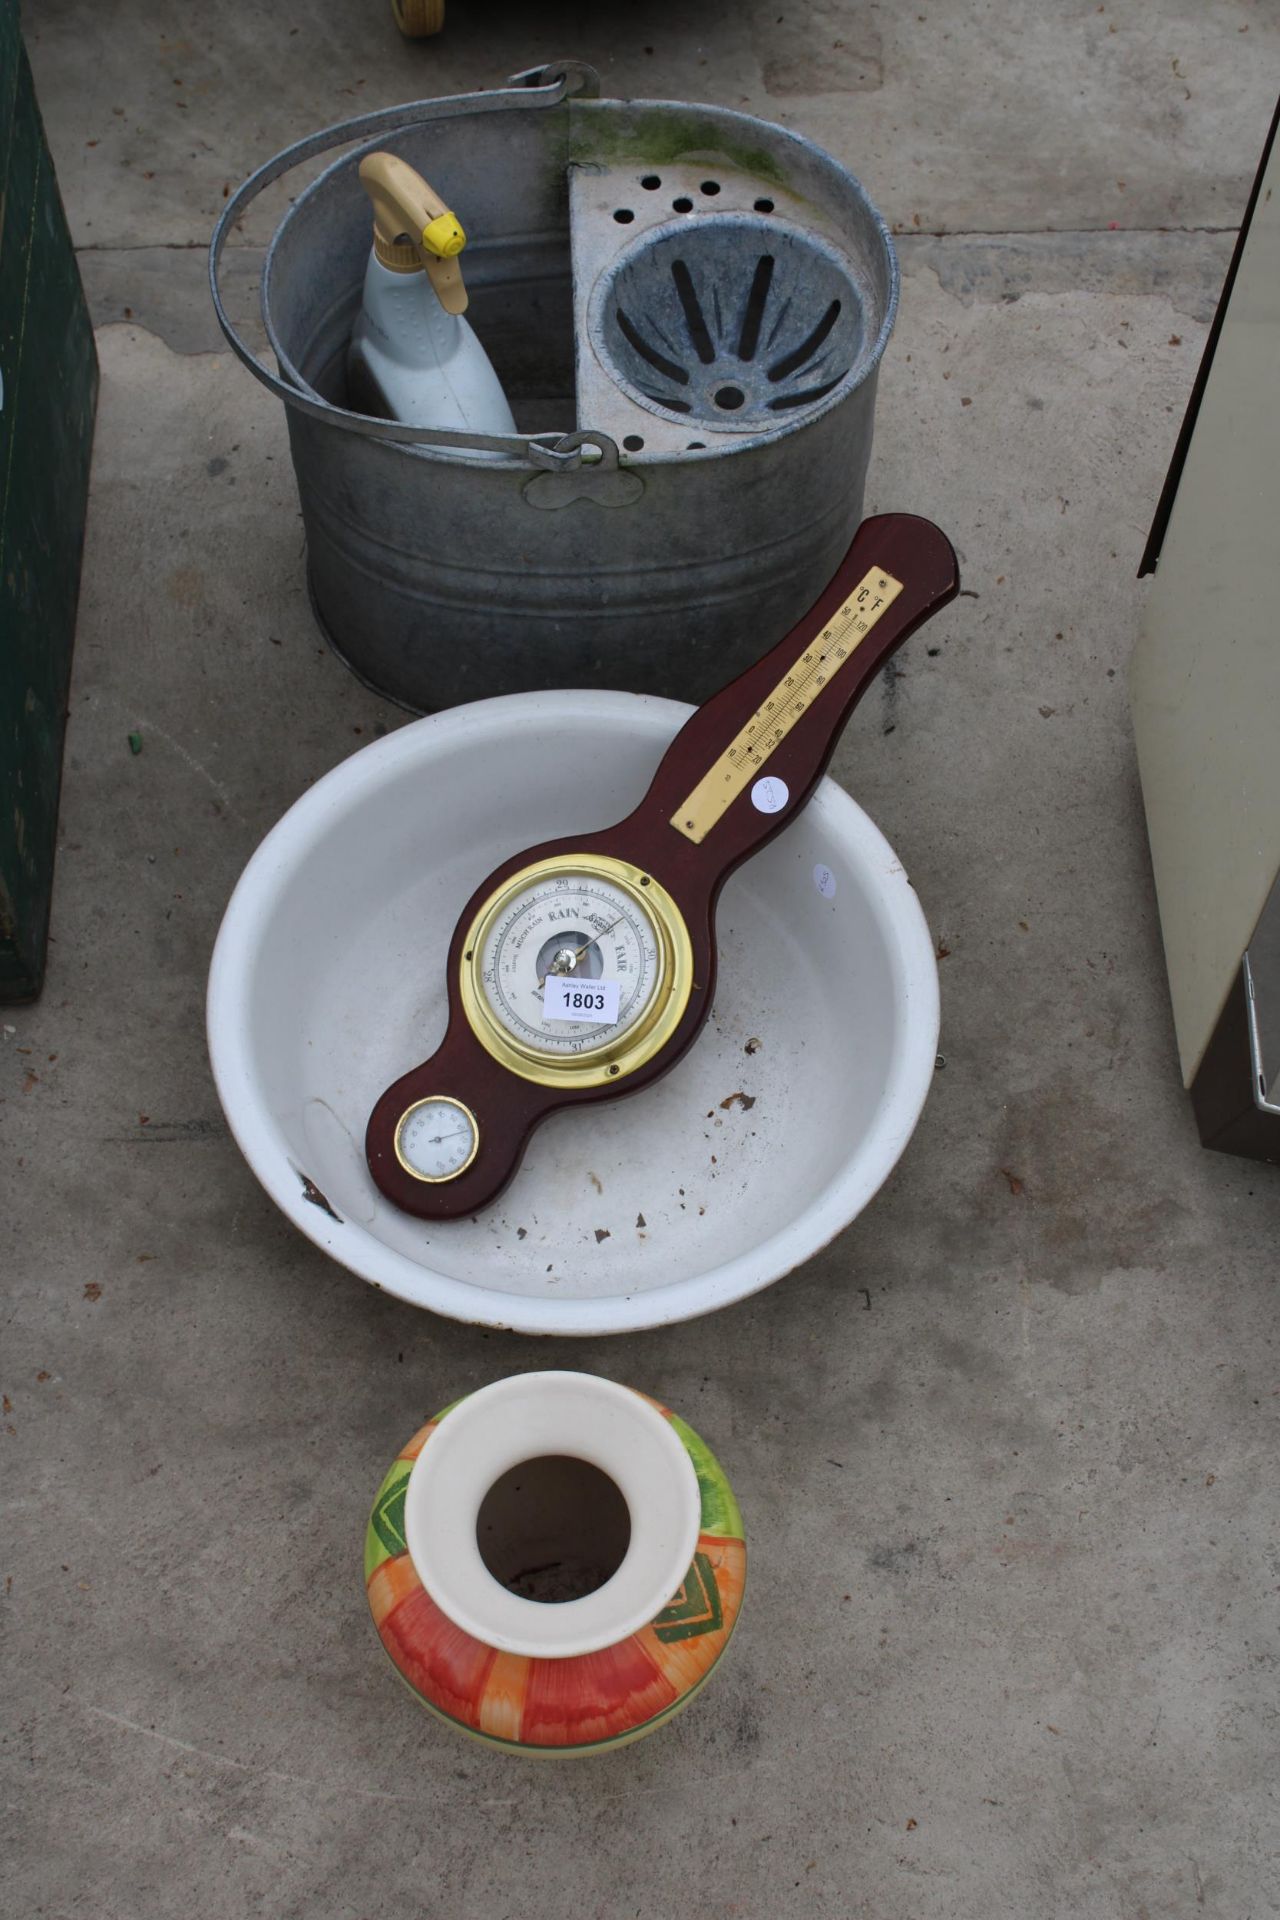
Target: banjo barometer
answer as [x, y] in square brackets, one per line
[584, 968]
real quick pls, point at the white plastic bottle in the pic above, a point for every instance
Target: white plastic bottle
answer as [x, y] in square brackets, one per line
[413, 357]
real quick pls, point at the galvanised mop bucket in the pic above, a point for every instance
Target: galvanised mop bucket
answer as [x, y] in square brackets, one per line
[687, 308]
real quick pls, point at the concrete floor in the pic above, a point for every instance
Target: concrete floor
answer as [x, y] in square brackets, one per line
[1060, 1697]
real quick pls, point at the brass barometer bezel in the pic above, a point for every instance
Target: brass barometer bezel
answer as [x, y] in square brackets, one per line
[613, 1059]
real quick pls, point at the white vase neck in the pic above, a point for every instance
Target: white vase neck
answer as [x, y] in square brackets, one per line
[534, 1416]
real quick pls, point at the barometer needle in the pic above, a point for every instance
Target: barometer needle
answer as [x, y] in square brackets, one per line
[579, 951]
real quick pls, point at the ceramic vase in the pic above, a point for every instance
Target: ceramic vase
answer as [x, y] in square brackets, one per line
[555, 1564]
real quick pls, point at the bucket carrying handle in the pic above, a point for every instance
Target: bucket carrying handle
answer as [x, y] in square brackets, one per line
[546, 86]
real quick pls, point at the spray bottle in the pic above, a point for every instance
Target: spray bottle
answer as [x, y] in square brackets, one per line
[412, 356]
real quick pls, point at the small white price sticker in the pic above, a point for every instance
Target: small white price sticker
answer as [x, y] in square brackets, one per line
[593, 1003]
[770, 795]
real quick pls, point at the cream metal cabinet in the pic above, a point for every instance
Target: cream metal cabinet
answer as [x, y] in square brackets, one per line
[1205, 686]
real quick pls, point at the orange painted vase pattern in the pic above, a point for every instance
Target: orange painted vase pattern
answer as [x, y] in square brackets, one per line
[589, 1702]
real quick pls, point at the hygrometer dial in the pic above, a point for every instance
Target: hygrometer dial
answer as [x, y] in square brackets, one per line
[436, 1139]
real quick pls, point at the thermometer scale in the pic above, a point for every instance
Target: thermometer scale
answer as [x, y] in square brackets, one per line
[794, 694]
[583, 969]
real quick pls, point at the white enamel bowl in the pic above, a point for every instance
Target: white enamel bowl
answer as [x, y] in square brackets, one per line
[770, 1136]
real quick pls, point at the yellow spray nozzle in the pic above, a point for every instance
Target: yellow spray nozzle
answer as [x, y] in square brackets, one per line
[413, 228]
[443, 236]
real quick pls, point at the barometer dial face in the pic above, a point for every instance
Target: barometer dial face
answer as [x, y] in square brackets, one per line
[576, 970]
[592, 940]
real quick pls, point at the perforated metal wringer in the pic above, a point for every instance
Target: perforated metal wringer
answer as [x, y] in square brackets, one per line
[687, 307]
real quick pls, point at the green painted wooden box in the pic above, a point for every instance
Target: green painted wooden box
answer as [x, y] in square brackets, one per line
[50, 384]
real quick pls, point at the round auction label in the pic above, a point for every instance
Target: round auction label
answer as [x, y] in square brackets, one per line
[770, 795]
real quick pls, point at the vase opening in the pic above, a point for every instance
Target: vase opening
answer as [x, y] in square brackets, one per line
[553, 1529]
